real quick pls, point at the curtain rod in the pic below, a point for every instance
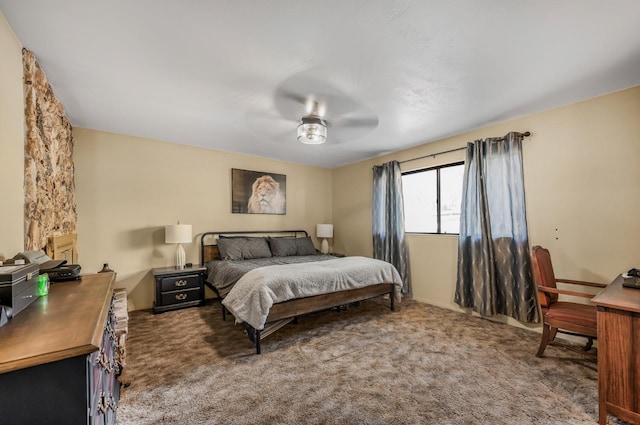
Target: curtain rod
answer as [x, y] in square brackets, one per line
[525, 134]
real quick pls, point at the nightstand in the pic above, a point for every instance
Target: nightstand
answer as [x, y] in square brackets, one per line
[178, 288]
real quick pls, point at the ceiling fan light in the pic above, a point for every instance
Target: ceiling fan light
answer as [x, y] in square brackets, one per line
[312, 131]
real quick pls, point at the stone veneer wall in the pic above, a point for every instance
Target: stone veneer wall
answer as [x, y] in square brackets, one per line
[50, 204]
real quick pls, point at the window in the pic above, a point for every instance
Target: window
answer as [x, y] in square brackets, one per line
[432, 199]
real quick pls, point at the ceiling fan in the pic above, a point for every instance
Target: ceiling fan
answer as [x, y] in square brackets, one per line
[322, 112]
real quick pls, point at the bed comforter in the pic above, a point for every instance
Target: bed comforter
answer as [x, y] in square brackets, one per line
[223, 274]
[254, 293]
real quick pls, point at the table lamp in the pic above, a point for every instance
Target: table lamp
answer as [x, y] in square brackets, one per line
[324, 231]
[178, 233]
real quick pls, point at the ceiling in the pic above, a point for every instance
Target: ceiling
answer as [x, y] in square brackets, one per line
[227, 75]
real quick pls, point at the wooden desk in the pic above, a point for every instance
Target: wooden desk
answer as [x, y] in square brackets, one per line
[618, 352]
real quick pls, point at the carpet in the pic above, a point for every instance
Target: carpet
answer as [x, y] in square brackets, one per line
[363, 365]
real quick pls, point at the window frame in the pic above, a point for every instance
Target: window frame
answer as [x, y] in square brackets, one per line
[437, 168]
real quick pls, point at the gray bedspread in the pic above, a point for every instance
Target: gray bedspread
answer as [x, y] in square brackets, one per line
[252, 296]
[223, 274]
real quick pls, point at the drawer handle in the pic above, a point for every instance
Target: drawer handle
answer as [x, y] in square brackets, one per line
[181, 297]
[181, 283]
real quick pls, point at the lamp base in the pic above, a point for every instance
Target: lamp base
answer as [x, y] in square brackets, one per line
[181, 257]
[324, 247]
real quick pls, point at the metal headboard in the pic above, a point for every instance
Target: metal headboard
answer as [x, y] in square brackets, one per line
[211, 237]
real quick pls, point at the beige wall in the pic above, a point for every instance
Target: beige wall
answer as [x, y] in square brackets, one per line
[11, 143]
[129, 188]
[582, 182]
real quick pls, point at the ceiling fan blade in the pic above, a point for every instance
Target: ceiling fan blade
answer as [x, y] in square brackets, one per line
[370, 122]
[351, 129]
[305, 87]
[268, 123]
[290, 105]
[291, 95]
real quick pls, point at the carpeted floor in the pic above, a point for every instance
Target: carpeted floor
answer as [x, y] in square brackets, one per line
[365, 365]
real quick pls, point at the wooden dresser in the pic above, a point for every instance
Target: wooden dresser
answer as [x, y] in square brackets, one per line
[618, 352]
[57, 357]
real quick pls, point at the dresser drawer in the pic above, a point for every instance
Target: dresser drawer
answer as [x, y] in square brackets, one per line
[178, 297]
[177, 283]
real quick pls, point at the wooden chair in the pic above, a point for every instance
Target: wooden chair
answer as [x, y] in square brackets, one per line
[561, 316]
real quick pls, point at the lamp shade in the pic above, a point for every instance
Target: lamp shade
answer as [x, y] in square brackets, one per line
[324, 230]
[177, 233]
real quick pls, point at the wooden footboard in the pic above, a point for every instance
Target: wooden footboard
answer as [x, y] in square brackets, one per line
[293, 308]
[300, 306]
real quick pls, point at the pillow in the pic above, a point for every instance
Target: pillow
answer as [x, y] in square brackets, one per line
[305, 246]
[256, 248]
[283, 247]
[230, 249]
[243, 248]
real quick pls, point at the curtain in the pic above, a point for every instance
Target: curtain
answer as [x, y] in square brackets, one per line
[494, 265]
[389, 243]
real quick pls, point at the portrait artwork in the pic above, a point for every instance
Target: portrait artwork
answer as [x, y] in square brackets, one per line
[257, 192]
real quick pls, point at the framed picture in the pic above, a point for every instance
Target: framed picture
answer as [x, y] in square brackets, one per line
[258, 192]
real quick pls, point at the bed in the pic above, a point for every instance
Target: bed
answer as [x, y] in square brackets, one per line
[266, 279]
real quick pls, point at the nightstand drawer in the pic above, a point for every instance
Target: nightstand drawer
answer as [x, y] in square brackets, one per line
[182, 296]
[179, 283]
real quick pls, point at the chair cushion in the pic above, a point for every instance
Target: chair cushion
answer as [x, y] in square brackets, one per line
[578, 314]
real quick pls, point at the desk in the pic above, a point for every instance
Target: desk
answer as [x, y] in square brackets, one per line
[618, 352]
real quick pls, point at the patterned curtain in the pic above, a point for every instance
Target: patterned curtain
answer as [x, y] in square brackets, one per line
[389, 242]
[494, 265]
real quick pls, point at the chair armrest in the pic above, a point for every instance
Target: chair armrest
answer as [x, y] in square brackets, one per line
[564, 292]
[583, 283]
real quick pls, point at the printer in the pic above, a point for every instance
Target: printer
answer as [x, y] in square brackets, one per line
[58, 270]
